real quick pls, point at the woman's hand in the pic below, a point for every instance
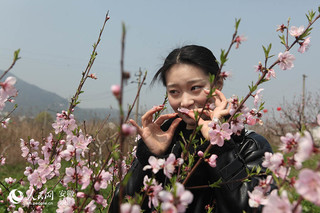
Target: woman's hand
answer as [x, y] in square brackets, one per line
[156, 140]
[220, 110]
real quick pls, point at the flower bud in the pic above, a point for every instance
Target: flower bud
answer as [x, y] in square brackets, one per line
[116, 89]
[81, 194]
[128, 129]
[200, 154]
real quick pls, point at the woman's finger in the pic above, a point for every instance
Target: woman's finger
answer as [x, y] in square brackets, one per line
[148, 116]
[220, 99]
[162, 118]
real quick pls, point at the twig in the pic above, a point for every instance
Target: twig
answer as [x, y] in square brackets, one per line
[15, 59]
[85, 74]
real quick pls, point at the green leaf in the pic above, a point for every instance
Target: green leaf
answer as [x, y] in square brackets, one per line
[196, 115]
[216, 184]
[305, 34]
[123, 28]
[267, 50]
[270, 56]
[258, 169]
[223, 58]
[283, 41]
[16, 55]
[198, 128]
[252, 88]
[237, 23]
[310, 15]
[211, 77]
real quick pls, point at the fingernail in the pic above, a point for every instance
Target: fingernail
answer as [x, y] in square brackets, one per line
[206, 89]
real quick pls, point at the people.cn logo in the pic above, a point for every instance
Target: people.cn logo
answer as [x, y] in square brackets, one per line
[15, 199]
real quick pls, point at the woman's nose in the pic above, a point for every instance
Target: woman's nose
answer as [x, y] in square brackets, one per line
[186, 100]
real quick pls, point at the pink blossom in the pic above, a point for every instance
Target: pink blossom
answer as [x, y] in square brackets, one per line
[100, 200]
[155, 164]
[152, 189]
[10, 180]
[90, 207]
[257, 197]
[36, 179]
[278, 204]
[183, 110]
[8, 88]
[275, 163]
[70, 175]
[213, 160]
[318, 119]
[258, 96]
[81, 143]
[237, 124]
[305, 148]
[64, 122]
[34, 144]
[296, 31]
[28, 171]
[289, 142]
[281, 28]
[225, 74]
[308, 185]
[2, 160]
[239, 39]
[44, 168]
[286, 60]
[33, 158]
[169, 165]
[270, 73]
[250, 119]
[177, 202]
[128, 129]
[102, 180]
[68, 153]
[5, 122]
[304, 46]
[67, 205]
[258, 68]
[86, 177]
[116, 89]
[272, 161]
[128, 208]
[219, 134]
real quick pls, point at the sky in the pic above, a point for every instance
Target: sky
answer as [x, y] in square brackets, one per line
[56, 38]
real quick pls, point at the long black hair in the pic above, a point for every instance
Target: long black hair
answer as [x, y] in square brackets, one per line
[195, 55]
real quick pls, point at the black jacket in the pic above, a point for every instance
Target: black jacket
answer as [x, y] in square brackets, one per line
[234, 157]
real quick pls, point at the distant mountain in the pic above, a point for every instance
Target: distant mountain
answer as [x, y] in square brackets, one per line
[32, 100]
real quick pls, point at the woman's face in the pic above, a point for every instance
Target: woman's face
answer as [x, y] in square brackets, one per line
[185, 84]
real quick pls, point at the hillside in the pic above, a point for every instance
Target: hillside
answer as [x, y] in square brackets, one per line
[32, 100]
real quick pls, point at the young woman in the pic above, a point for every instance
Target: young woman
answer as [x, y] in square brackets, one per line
[185, 74]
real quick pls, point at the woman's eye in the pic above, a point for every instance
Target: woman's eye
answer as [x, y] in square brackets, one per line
[173, 92]
[196, 87]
